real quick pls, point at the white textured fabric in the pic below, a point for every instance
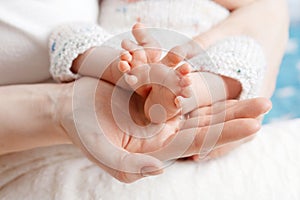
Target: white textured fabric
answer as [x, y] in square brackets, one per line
[117, 16]
[240, 58]
[67, 42]
[266, 168]
[25, 27]
[189, 17]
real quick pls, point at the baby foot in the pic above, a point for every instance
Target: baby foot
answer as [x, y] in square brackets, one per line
[136, 71]
[155, 79]
[168, 88]
[137, 57]
[163, 86]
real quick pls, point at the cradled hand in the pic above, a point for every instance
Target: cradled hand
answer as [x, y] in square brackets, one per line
[99, 124]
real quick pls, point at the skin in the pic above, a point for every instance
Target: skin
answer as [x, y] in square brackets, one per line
[51, 122]
[251, 17]
[189, 91]
[248, 17]
[40, 107]
[33, 109]
[136, 64]
[90, 63]
[255, 19]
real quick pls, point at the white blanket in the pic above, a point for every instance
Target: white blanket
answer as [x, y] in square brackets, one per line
[266, 168]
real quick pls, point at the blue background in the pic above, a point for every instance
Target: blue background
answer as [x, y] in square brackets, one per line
[286, 98]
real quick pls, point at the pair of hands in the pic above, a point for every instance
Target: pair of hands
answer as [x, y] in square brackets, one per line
[111, 151]
[109, 140]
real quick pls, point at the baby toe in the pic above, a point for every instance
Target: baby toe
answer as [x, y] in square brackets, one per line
[129, 45]
[157, 114]
[126, 56]
[178, 101]
[139, 58]
[184, 69]
[185, 81]
[153, 54]
[131, 79]
[186, 92]
[174, 56]
[124, 66]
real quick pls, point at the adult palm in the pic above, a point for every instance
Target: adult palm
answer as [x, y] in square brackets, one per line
[99, 122]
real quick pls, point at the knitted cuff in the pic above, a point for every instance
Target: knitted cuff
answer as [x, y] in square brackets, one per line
[240, 58]
[67, 42]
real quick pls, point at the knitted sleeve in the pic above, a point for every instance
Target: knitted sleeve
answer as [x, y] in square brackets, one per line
[69, 41]
[240, 58]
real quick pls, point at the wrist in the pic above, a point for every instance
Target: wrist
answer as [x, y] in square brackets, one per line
[28, 117]
[51, 102]
[61, 110]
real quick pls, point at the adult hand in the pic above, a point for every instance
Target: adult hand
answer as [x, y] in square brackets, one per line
[98, 123]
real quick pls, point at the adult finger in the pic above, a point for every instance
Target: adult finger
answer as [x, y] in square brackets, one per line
[225, 149]
[207, 139]
[212, 109]
[251, 108]
[222, 150]
[123, 175]
[202, 140]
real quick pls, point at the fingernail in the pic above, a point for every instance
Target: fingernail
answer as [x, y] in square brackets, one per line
[268, 106]
[267, 111]
[151, 171]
